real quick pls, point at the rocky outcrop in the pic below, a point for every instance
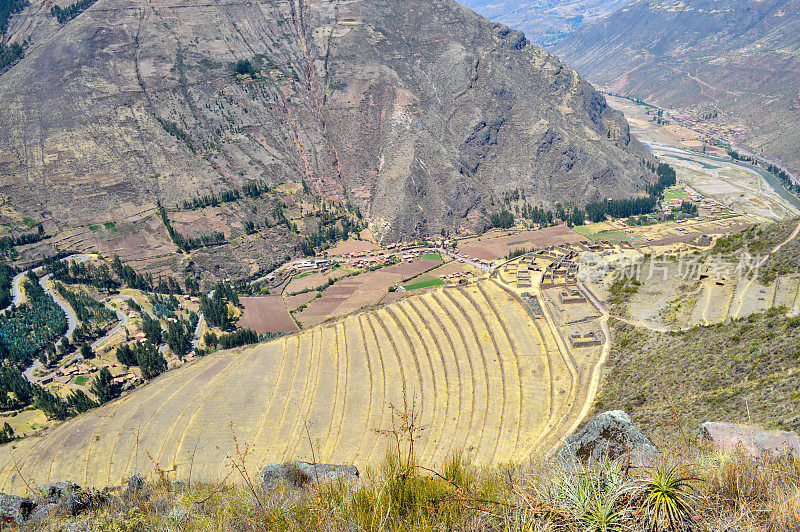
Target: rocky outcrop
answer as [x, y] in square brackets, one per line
[298, 473]
[611, 435]
[62, 498]
[753, 440]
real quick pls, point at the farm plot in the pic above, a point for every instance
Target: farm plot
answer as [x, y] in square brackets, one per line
[355, 293]
[484, 379]
[267, 314]
[311, 280]
[491, 247]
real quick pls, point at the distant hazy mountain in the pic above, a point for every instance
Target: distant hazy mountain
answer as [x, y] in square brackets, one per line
[545, 22]
[740, 58]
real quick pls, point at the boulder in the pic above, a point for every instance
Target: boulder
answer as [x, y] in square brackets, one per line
[752, 439]
[298, 473]
[65, 496]
[610, 435]
[15, 510]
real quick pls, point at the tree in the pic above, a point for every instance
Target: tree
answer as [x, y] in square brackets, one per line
[244, 68]
[80, 402]
[7, 434]
[211, 340]
[63, 346]
[178, 338]
[86, 351]
[126, 355]
[152, 329]
[151, 362]
[103, 386]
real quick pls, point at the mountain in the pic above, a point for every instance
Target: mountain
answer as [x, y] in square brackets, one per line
[736, 60]
[545, 22]
[417, 112]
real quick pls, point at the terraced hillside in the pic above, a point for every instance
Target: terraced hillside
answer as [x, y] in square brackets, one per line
[484, 377]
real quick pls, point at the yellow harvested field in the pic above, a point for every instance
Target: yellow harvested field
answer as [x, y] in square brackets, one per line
[484, 376]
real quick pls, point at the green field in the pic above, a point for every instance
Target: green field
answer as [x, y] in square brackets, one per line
[674, 193]
[611, 235]
[80, 381]
[424, 284]
[432, 256]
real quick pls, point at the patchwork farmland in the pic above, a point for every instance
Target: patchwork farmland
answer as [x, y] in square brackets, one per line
[483, 373]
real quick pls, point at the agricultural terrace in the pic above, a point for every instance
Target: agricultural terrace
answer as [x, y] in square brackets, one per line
[481, 374]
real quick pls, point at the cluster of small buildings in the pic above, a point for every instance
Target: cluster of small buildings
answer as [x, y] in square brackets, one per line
[308, 265]
[562, 270]
[126, 380]
[77, 369]
[454, 277]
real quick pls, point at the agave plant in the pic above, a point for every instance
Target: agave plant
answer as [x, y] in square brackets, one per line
[592, 495]
[670, 502]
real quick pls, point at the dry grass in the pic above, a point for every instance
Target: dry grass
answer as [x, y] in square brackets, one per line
[719, 492]
[742, 371]
[686, 488]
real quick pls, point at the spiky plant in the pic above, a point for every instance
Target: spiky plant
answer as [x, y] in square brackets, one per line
[669, 498]
[592, 495]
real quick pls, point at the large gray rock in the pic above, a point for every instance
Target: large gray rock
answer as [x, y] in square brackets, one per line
[15, 510]
[298, 473]
[62, 497]
[753, 440]
[610, 435]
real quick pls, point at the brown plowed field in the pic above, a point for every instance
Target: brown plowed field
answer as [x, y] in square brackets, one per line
[491, 248]
[266, 314]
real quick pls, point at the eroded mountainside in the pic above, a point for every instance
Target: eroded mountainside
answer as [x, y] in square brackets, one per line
[418, 112]
[734, 65]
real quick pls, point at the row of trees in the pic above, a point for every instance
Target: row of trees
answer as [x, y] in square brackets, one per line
[27, 329]
[64, 15]
[251, 189]
[7, 274]
[623, 208]
[98, 276]
[12, 52]
[238, 338]
[503, 219]
[186, 243]
[88, 310]
[7, 243]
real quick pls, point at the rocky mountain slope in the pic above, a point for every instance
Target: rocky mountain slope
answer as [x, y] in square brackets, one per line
[545, 22]
[735, 62]
[418, 112]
